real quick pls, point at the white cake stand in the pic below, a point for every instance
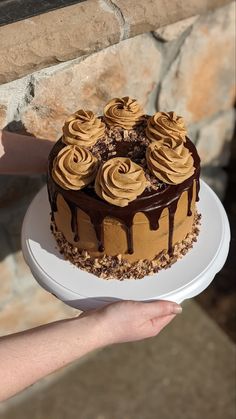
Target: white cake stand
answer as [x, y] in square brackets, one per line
[185, 279]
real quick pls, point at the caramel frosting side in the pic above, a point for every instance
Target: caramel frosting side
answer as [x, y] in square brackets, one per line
[119, 181]
[83, 128]
[74, 167]
[163, 125]
[170, 161]
[123, 112]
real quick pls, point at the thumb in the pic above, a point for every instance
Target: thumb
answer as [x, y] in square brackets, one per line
[162, 308]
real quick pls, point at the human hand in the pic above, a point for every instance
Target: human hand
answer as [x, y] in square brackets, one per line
[127, 321]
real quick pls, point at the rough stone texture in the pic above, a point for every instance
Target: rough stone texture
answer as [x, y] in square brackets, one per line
[46, 97]
[200, 82]
[54, 37]
[130, 68]
[171, 32]
[11, 96]
[151, 14]
[25, 310]
[59, 35]
[188, 372]
[214, 140]
[23, 303]
[3, 114]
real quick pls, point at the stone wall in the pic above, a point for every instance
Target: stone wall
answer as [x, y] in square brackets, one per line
[187, 66]
[81, 29]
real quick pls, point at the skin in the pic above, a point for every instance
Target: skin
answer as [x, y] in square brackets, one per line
[52, 346]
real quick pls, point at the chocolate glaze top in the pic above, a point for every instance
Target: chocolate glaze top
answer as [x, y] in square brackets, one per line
[151, 203]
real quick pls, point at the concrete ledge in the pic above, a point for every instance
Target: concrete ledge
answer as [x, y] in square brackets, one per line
[81, 29]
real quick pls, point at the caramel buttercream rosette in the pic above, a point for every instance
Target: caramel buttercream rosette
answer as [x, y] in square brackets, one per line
[83, 128]
[123, 112]
[170, 161]
[164, 125]
[74, 167]
[119, 181]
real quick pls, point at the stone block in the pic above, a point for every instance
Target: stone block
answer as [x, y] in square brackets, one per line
[151, 14]
[172, 32]
[12, 96]
[23, 303]
[81, 29]
[215, 138]
[201, 80]
[3, 115]
[130, 68]
[55, 37]
[32, 310]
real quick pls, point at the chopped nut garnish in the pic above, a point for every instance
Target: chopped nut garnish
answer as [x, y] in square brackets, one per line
[117, 267]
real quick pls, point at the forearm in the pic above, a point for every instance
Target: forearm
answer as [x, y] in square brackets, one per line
[23, 154]
[28, 356]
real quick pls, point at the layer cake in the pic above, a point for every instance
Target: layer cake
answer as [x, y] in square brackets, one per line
[123, 189]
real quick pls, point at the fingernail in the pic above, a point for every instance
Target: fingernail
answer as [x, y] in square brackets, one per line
[177, 309]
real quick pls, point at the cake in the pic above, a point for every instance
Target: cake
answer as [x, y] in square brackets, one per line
[123, 189]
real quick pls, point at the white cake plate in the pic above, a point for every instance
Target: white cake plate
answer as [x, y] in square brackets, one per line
[185, 279]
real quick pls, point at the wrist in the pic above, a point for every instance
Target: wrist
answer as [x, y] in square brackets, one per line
[87, 333]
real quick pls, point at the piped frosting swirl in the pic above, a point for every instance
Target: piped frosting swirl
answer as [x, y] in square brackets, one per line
[83, 128]
[164, 125]
[170, 161]
[123, 112]
[119, 181]
[74, 167]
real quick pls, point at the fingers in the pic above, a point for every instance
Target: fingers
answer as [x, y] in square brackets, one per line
[160, 322]
[162, 308]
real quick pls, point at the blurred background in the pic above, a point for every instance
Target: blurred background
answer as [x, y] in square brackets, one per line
[170, 56]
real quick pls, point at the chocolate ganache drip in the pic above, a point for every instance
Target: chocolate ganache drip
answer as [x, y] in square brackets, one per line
[74, 220]
[197, 185]
[151, 204]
